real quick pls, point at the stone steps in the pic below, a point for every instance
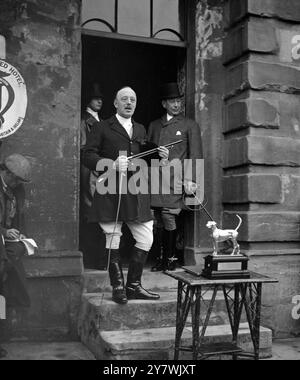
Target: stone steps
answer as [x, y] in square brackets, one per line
[100, 311]
[158, 343]
[98, 281]
[145, 330]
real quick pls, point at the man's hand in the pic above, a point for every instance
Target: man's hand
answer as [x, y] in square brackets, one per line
[13, 234]
[190, 187]
[121, 164]
[163, 152]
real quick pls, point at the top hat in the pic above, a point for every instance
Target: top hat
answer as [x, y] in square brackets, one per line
[95, 92]
[170, 91]
[19, 166]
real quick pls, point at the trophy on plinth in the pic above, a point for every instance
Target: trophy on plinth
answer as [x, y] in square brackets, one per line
[229, 266]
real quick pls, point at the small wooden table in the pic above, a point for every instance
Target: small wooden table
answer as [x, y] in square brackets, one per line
[237, 293]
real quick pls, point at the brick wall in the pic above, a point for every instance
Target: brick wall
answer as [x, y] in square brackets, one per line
[262, 144]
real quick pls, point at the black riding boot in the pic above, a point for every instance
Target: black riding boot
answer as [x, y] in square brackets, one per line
[134, 289]
[159, 266]
[116, 277]
[169, 248]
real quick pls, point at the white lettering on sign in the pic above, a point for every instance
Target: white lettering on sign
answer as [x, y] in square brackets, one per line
[13, 99]
[296, 47]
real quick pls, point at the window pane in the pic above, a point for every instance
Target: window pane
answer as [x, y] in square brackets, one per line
[134, 17]
[102, 9]
[166, 16]
[166, 35]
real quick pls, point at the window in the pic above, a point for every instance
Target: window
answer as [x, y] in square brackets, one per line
[160, 19]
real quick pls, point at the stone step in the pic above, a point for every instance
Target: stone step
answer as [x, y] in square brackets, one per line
[98, 310]
[158, 343]
[98, 281]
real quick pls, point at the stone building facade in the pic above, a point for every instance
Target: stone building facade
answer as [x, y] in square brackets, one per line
[244, 56]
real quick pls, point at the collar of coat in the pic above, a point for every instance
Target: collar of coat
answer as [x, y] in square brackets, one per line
[115, 125]
[174, 119]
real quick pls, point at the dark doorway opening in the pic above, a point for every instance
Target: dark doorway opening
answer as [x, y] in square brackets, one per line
[114, 64]
[117, 63]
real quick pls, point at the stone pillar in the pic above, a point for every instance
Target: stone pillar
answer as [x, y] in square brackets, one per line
[43, 43]
[262, 144]
[210, 79]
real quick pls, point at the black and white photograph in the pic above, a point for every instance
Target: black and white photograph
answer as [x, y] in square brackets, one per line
[149, 183]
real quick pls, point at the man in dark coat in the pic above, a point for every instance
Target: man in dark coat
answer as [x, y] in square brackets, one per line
[91, 238]
[116, 140]
[90, 119]
[13, 288]
[171, 127]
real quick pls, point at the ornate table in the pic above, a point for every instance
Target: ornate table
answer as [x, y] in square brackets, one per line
[238, 293]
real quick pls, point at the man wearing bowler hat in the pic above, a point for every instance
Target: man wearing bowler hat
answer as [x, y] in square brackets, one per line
[173, 126]
[15, 171]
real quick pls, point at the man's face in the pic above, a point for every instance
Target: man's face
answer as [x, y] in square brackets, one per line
[125, 102]
[173, 106]
[96, 104]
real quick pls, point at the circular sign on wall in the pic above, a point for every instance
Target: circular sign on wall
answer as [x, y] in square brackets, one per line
[13, 99]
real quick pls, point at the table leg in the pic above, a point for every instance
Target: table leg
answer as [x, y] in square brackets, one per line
[253, 312]
[195, 308]
[183, 307]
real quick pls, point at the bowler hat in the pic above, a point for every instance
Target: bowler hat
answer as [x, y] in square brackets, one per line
[95, 92]
[19, 166]
[170, 91]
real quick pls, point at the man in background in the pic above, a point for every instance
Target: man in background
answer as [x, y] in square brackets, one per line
[90, 236]
[171, 127]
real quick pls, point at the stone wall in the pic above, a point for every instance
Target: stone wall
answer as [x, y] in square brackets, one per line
[210, 81]
[262, 145]
[43, 43]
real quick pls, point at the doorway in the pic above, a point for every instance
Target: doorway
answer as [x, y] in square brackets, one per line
[114, 64]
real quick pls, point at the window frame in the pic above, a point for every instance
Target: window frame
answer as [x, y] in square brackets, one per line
[153, 35]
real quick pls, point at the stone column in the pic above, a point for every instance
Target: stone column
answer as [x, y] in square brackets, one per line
[261, 161]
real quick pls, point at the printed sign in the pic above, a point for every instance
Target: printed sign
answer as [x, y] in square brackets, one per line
[13, 99]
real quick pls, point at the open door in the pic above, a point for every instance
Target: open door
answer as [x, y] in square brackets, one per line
[114, 64]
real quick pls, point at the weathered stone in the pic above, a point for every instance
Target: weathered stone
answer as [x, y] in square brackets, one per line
[234, 11]
[252, 36]
[53, 314]
[96, 281]
[264, 110]
[99, 310]
[289, 44]
[158, 344]
[47, 351]
[43, 43]
[286, 10]
[291, 186]
[268, 226]
[262, 76]
[275, 151]
[277, 298]
[56, 264]
[252, 188]
[251, 112]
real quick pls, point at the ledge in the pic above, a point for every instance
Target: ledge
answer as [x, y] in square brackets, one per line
[54, 264]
